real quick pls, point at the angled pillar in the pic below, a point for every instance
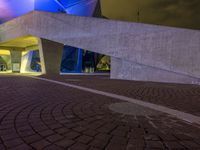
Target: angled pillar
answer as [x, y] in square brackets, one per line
[16, 57]
[50, 56]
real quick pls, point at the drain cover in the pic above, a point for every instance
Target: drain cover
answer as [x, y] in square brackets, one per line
[132, 109]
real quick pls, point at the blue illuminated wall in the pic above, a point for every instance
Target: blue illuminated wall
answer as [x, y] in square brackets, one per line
[15, 8]
[79, 7]
[71, 60]
[48, 5]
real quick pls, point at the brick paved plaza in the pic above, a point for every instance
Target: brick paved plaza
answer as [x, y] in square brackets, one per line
[36, 114]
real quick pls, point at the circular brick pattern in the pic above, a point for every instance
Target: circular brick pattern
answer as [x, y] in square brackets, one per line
[39, 115]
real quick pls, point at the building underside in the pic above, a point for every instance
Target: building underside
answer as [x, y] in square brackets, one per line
[137, 51]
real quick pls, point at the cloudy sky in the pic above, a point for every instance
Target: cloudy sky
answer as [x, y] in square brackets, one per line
[179, 13]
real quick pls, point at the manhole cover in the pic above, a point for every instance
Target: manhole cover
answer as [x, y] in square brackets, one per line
[132, 109]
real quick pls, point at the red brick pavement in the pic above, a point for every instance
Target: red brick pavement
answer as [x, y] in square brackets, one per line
[39, 115]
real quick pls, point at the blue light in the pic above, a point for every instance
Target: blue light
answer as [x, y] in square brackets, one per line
[79, 7]
[15, 8]
[48, 5]
[20, 7]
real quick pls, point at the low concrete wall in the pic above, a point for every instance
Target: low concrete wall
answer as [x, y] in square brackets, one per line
[127, 70]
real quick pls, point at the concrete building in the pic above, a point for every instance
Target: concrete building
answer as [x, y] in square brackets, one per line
[138, 51]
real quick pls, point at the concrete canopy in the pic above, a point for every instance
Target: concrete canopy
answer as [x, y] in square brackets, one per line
[163, 49]
[21, 43]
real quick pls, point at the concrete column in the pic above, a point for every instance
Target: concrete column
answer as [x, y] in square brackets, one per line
[16, 57]
[50, 56]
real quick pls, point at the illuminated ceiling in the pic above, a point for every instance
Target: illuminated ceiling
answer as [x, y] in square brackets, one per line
[22, 42]
[4, 52]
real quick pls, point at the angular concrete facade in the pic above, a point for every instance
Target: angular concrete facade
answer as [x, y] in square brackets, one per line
[171, 54]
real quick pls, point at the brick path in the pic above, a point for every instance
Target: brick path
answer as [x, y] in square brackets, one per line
[181, 97]
[40, 115]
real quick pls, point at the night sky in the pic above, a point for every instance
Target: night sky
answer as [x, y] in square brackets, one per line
[178, 13]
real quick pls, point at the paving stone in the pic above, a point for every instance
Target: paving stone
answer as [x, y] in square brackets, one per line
[54, 137]
[154, 144]
[26, 133]
[90, 132]
[98, 143]
[55, 126]
[131, 146]
[2, 147]
[21, 147]
[119, 140]
[33, 138]
[79, 146]
[93, 148]
[119, 133]
[53, 147]
[46, 133]
[84, 139]
[136, 142]
[13, 143]
[62, 130]
[79, 129]
[174, 145]
[151, 137]
[190, 144]
[70, 118]
[107, 128]
[40, 144]
[72, 135]
[102, 136]
[10, 136]
[167, 137]
[65, 143]
[182, 136]
[114, 146]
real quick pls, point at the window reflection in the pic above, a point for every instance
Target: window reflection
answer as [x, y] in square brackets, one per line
[76, 60]
[35, 62]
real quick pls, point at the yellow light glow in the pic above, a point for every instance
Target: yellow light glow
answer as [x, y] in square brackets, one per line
[24, 53]
[4, 52]
[23, 42]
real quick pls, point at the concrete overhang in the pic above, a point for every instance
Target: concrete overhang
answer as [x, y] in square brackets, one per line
[172, 49]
